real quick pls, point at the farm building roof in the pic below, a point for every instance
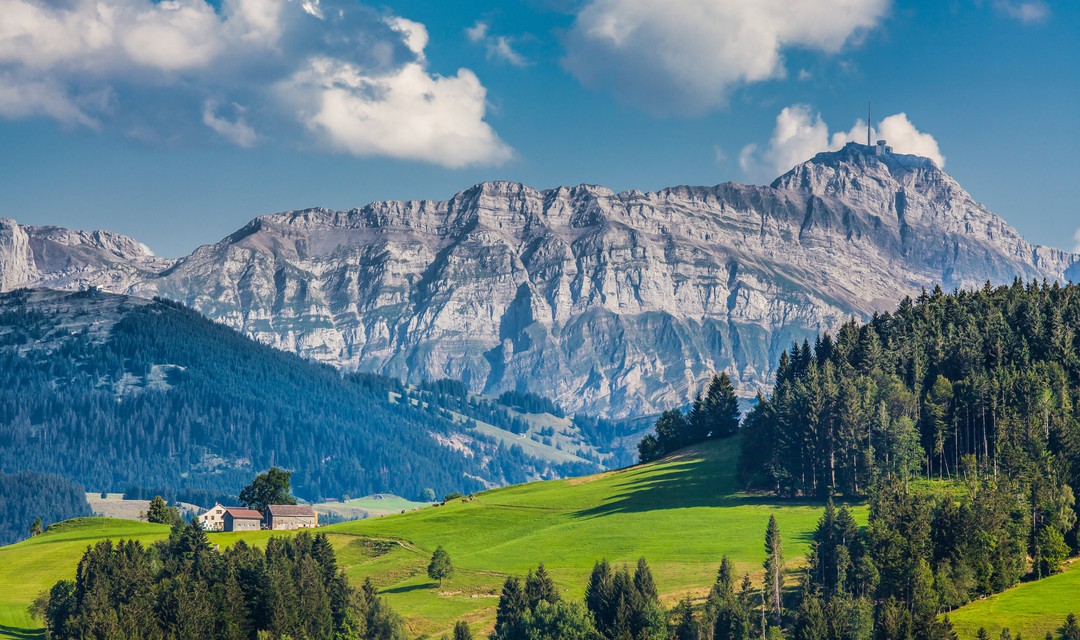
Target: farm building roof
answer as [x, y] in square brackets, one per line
[290, 510]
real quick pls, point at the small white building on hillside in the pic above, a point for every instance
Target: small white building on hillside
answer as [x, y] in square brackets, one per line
[213, 519]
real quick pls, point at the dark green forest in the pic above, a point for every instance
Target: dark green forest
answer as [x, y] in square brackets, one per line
[26, 497]
[183, 588]
[205, 408]
[954, 416]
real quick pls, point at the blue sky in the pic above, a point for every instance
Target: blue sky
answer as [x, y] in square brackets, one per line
[176, 122]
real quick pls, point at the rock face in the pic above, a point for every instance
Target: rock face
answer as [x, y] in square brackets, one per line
[620, 304]
[58, 258]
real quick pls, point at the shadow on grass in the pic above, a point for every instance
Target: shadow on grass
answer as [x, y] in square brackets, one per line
[702, 476]
[411, 587]
[19, 633]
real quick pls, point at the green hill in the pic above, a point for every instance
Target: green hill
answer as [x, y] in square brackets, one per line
[1032, 608]
[682, 513]
[33, 565]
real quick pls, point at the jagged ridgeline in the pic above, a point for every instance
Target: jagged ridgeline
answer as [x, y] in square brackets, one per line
[112, 391]
[971, 384]
[614, 304]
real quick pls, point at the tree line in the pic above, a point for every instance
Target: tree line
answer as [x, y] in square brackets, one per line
[183, 588]
[712, 416]
[977, 383]
[857, 585]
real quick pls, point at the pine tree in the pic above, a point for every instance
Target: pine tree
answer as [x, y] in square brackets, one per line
[1070, 629]
[774, 569]
[599, 596]
[811, 623]
[462, 631]
[539, 587]
[643, 581]
[512, 611]
[722, 408]
[161, 513]
[686, 625]
[35, 527]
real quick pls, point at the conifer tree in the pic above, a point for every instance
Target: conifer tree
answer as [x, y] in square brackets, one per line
[722, 407]
[686, 625]
[462, 631]
[774, 569]
[1070, 629]
[539, 587]
[811, 623]
[161, 513]
[599, 596]
[512, 611]
[643, 581]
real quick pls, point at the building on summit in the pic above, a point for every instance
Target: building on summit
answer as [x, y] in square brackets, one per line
[280, 517]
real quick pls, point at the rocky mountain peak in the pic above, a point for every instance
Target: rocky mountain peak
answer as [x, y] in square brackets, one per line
[620, 304]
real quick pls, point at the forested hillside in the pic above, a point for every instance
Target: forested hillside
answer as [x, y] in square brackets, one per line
[34, 501]
[116, 392]
[973, 384]
[977, 388]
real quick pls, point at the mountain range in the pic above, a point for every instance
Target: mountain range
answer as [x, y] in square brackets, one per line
[614, 304]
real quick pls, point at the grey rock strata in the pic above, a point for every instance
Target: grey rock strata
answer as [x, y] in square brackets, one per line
[619, 304]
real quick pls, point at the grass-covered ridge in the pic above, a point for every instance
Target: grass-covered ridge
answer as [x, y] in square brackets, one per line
[1031, 608]
[682, 513]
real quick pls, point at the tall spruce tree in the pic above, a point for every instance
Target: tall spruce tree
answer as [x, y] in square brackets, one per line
[774, 570]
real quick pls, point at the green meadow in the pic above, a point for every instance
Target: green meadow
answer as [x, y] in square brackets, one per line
[1032, 608]
[34, 565]
[682, 514]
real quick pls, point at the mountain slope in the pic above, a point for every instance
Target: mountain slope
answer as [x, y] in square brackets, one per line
[114, 391]
[621, 304]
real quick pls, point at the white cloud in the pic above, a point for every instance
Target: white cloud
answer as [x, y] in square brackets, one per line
[800, 133]
[406, 113]
[1029, 12]
[1076, 241]
[235, 131]
[497, 47]
[684, 56]
[161, 68]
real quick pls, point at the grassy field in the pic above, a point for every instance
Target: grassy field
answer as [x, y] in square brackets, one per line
[366, 507]
[682, 514]
[1032, 608]
[31, 566]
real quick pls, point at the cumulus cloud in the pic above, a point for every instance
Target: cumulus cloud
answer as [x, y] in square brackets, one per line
[498, 47]
[684, 56]
[800, 133]
[404, 114]
[1076, 241]
[166, 68]
[1028, 12]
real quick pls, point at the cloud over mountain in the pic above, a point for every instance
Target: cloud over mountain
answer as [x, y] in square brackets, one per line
[354, 79]
[801, 132]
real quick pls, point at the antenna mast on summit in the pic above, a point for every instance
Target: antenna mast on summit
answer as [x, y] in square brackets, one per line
[868, 123]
